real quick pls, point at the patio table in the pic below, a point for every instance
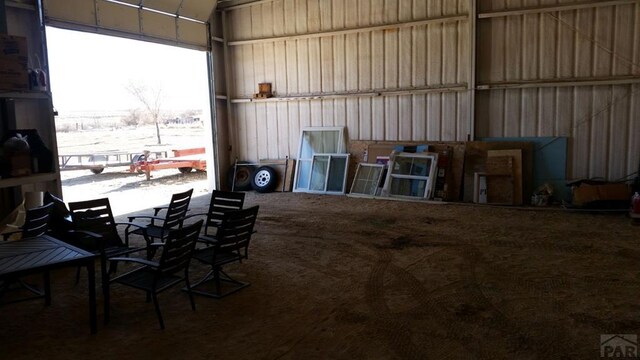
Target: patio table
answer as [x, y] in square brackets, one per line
[42, 254]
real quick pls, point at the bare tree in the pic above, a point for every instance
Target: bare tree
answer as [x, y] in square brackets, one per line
[151, 99]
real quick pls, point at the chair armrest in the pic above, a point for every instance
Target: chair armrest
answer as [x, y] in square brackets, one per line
[207, 239]
[156, 210]
[128, 224]
[85, 232]
[131, 218]
[149, 263]
[85, 240]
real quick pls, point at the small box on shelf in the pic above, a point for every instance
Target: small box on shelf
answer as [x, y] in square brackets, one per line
[14, 75]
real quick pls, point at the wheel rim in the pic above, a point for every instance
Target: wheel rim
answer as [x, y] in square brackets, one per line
[262, 178]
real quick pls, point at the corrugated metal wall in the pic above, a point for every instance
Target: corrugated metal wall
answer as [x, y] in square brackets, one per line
[409, 82]
[396, 59]
[603, 121]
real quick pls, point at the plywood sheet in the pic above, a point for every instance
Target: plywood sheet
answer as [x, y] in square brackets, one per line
[475, 161]
[516, 169]
[501, 190]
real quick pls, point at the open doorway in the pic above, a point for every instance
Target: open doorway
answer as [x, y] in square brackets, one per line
[118, 100]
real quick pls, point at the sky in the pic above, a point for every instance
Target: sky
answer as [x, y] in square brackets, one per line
[90, 72]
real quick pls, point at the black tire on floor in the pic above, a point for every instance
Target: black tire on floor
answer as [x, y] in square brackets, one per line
[243, 177]
[97, 170]
[185, 170]
[137, 158]
[264, 179]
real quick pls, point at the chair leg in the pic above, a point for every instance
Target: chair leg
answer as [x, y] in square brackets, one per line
[151, 252]
[186, 280]
[106, 291]
[217, 276]
[216, 279]
[155, 303]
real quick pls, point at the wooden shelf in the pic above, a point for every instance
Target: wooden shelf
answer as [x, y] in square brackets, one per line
[38, 95]
[25, 180]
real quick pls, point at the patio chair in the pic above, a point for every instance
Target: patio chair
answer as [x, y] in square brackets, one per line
[156, 277]
[95, 230]
[230, 245]
[221, 202]
[159, 226]
[36, 223]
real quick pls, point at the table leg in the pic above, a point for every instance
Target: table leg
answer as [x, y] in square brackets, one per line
[47, 288]
[92, 296]
[105, 290]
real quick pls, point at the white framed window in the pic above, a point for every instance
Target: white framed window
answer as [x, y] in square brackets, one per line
[328, 174]
[367, 179]
[316, 140]
[411, 175]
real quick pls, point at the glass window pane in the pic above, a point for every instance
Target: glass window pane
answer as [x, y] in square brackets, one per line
[319, 173]
[337, 171]
[408, 187]
[318, 142]
[412, 166]
[366, 181]
[303, 174]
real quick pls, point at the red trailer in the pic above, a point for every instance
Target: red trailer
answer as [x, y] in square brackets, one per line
[185, 160]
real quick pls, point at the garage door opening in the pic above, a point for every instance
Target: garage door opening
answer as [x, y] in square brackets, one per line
[120, 101]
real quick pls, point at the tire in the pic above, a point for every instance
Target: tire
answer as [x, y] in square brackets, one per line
[137, 158]
[97, 170]
[243, 177]
[264, 179]
[185, 170]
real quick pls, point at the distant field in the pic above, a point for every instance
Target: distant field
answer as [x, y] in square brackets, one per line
[130, 139]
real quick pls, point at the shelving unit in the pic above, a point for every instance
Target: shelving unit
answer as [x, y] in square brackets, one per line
[27, 109]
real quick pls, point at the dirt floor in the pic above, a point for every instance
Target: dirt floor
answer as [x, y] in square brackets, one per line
[335, 277]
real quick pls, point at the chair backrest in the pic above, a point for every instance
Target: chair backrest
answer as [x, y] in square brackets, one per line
[234, 233]
[178, 208]
[178, 248]
[36, 221]
[60, 223]
[221, 202]
[96, 216]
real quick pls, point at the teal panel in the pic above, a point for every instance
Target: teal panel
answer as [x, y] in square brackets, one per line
[549, 163]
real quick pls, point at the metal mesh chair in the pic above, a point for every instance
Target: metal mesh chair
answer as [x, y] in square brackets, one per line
[159, 226]
[155, 277]
[229, 245]
[95, 230]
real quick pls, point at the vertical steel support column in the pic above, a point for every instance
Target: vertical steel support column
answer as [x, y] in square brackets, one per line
[3, 17]
[473, 46]
[213, 163]
[231, 123]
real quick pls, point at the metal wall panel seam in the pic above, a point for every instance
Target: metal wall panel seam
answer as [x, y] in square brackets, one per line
[558, 8]
[332, 33]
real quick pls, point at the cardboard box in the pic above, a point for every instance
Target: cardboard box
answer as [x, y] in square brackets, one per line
[587, 193]
[14, 75]
[14, 49]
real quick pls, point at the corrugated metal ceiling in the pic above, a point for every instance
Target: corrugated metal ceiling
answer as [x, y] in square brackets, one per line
[174, 22]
